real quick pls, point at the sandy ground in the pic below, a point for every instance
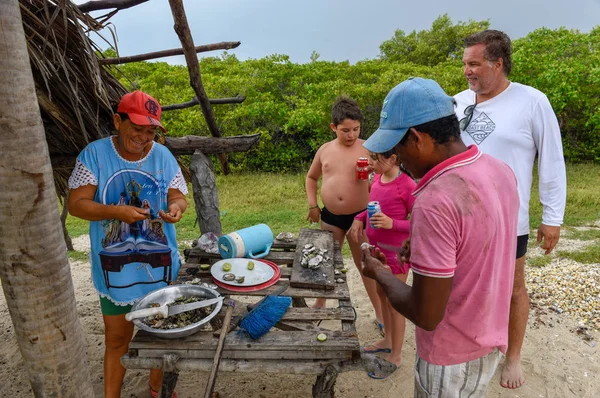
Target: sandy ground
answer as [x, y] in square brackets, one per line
[558, 362]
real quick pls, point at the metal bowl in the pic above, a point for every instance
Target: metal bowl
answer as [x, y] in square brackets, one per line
[168, 295]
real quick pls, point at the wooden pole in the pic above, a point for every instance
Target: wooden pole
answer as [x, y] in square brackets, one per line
[185, 36]
[105, 4]
[215, 365]
[213, 101]
[182, 146]
[224, 45]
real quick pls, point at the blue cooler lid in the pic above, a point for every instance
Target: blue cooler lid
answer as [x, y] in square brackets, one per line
[227, 247]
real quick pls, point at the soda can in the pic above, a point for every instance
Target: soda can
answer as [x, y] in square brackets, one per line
[362, 169]
[372, 208]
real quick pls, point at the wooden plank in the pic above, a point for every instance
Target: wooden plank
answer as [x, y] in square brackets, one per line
[305, 367]
[279, 248]
[305, 314]
[249, 355]
[348, 325]
[322, 277]
[272, 341]
[318, 314]
[339, 291]
[300, 325]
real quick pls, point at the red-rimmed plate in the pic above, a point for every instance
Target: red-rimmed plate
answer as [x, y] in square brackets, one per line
[242, 289]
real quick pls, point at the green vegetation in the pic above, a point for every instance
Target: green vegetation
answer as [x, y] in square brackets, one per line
[443, 42]
[290, 104]
[588, 234]
[590, 254]
[539, 261]
[583, 196]
[79, 256]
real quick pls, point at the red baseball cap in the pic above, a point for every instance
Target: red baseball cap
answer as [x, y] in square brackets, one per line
[141, 108]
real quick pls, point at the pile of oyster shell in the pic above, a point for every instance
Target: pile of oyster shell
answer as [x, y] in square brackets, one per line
[180, 320]
[312, 257]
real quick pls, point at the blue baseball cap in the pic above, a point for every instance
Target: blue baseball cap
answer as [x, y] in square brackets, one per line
[413, 102]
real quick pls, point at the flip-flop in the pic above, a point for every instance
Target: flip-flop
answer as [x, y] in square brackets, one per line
[380, 326]
[378, 349]
[379, 377]
[375, 376]
[154, 393]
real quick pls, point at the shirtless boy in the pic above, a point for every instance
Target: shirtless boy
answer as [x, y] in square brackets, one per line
[342, 194]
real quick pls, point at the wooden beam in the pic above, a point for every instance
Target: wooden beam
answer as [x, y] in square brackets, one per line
[210, 145]
[224, 45]
[366, 362]
[213, 101]
[187, 42]
[183, 146]
[105, 4]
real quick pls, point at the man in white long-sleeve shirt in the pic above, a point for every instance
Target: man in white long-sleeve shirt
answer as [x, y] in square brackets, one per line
[514, 123]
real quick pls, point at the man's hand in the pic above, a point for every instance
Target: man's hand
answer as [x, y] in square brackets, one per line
[380, 220]
[549, 235]
[404, 254]
[370, 264]
[355, 232]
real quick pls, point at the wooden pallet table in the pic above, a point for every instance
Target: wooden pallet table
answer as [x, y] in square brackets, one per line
[290, 347]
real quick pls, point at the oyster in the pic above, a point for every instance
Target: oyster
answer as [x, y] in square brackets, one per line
[228, 277]
[315, 262]
[240, 279]
[178, 320]
[285, 236]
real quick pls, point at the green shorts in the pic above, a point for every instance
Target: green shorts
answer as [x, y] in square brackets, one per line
[110, 308]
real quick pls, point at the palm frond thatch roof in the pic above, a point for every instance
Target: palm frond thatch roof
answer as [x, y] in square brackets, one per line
[74, 92]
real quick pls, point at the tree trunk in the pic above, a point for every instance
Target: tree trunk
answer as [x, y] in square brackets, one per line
[34, 267]
[206, 196]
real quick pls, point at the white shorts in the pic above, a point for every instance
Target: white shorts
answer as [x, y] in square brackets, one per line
[469, 379]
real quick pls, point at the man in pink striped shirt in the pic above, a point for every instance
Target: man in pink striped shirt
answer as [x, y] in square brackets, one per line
[462, 243]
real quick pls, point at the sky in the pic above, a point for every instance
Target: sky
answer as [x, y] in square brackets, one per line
[339, 30]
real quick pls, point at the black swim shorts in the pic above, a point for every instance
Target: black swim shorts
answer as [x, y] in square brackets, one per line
[342, 221]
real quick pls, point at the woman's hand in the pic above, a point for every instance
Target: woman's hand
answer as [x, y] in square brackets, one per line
[380, 220]
[172, 215]
[131, 214]
[176, 206]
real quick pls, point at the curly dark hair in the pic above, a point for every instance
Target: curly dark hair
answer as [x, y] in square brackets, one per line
[497, 45]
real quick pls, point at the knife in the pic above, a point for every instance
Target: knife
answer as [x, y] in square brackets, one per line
[165, 310]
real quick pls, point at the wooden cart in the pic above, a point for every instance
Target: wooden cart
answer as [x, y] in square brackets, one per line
[291, 347]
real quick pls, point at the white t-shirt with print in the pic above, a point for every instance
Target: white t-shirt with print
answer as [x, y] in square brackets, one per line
[514, 126]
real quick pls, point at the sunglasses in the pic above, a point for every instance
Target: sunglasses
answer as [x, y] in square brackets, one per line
[465, 121]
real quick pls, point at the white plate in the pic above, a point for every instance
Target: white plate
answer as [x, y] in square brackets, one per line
[261, 273]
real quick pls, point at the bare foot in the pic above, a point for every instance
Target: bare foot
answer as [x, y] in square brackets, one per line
[395, 359]
[320, 303]
[512, 375]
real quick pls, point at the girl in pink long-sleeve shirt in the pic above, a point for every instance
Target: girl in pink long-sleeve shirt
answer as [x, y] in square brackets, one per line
[393, 190]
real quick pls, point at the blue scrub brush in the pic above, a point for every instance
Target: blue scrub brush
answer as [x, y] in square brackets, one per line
[266, 315]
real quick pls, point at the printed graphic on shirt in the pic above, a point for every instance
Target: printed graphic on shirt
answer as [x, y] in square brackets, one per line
[480, 128]
[141, 241]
